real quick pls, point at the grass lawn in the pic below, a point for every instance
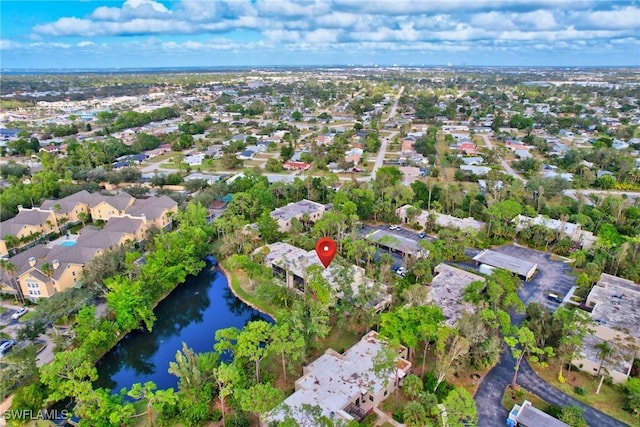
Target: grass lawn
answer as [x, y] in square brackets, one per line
[610, 400]
[162, 157]
[3, 309]
[27, 316]
[508, 399]
[247, 291]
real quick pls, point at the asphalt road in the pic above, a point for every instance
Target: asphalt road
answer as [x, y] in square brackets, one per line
[503, 163]
[489, 395]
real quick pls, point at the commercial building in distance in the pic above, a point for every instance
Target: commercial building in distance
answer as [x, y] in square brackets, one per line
[489, 260]
[344, 386]
[297, 210]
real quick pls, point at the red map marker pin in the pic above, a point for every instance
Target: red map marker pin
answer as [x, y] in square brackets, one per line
[326, 249]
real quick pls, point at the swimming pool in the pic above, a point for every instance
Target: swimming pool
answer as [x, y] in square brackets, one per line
[68, 243]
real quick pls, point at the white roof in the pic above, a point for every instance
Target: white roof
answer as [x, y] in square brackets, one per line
[333, 380]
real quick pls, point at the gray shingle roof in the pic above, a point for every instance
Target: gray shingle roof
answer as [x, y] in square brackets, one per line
[26, 217]
[152, 207]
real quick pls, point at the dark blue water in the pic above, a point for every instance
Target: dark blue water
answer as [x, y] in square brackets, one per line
[192, 313]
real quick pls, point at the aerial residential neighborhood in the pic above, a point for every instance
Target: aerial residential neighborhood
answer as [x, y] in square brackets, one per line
[203, 225]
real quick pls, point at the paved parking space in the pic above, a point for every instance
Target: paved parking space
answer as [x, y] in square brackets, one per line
[552, 276]
[5, 317]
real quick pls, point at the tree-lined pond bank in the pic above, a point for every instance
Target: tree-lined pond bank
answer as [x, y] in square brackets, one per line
[192, 313]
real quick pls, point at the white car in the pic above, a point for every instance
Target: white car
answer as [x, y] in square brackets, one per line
[401, 271]
[393, 227]
[18, 314]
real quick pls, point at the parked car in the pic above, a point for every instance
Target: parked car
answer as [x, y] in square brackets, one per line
[393, 227]
[21, 312]
[422, 235]
[401, 271]
[554, 298]
[6, 346]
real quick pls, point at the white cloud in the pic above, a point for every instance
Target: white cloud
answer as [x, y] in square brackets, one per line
[314, 25]
[85, 43]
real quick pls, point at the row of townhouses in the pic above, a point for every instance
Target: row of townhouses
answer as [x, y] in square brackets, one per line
[44, 269]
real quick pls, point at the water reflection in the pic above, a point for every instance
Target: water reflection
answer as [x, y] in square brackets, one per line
[192, 313]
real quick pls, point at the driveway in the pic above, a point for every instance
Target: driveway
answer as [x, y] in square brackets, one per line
[489, 395]
[552, 276]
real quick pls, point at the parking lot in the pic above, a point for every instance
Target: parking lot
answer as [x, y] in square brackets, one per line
[551, 277]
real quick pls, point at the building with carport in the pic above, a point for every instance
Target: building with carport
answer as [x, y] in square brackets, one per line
[489, 259]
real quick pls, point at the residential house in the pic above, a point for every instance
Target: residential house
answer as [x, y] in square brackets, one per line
[246, 155]
[407, 145]
[441, 220]
[157, 211]
[476, 170]
[446, 291]
[586, 239]
[472, 161]
[343, 386]
[27, 225]
[410, 174]
[8, 135]
[290, 264]
[298, 210]
[194, 159]
[526, 415]
[397, 243]
[614, 304]
[104, 207]
[296, 166]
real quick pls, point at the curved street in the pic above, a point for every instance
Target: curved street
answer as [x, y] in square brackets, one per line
[489, 395]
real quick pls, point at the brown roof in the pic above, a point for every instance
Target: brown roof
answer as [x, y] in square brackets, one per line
[120, 201]
[123, 225]
[21, 260]
[152, 207]
[25, 217]
[68, 203]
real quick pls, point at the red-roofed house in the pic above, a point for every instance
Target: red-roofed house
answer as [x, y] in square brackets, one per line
[291, 165]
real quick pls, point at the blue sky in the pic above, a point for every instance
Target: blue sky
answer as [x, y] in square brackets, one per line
[182, 33]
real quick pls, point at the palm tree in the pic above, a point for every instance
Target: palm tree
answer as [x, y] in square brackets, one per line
[47, 270]
[9, 269]
[605, 353]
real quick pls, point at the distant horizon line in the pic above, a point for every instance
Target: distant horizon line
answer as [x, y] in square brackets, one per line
[70, 70]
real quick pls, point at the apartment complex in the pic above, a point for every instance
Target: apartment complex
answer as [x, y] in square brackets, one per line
[585, 239]
[53, 216]
[44, 269]
[298, 210]
[441, 220]
[344, 386]
[615, 309]
[290, 264]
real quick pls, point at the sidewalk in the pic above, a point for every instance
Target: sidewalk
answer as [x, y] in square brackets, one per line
[384, 418]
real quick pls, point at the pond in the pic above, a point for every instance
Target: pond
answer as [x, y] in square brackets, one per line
[192, 313]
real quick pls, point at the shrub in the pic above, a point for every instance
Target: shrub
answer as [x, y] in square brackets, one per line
[216, 415]
[398, 416]
[561, 379]
[580, 391]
